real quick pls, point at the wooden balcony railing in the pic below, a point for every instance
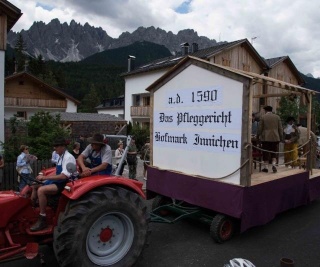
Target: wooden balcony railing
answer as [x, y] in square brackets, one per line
[140, 111]
[31, 102]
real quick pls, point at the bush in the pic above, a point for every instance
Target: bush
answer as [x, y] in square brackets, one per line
[140, 133]
[41, 131]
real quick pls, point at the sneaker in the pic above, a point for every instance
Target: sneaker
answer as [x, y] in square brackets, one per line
[274, 169]
[145, 178]
[264, 170]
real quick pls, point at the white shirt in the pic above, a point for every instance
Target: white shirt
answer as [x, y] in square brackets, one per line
[63, 160]
[118, 155]
[54, 157]
[106, 153]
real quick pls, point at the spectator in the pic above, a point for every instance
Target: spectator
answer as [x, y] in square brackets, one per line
[76, 150]
[100, 156]
[302, 142]
[83, 143]
[118, 155]
[291, 137]
[145, 156]
[23, 166]
[132, 158]
[54, 158]
[1, 168]
[255, 124]
[270, 132]
[53, 184]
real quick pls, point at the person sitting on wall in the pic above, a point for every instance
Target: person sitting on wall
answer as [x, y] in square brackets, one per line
[100, 156]
[53, 184]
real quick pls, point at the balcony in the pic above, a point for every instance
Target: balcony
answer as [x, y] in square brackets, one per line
[31, 102]
[140, 111]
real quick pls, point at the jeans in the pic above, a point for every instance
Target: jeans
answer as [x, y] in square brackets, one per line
[24, 180]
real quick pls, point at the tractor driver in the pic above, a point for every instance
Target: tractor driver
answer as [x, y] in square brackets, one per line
[53, 184]
[100, 156]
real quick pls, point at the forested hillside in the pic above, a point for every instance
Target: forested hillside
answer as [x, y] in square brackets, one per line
[98, 76]
[99, 73]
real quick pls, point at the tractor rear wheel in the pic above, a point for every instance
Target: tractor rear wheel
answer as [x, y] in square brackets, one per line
[222, 228]
[106, 227]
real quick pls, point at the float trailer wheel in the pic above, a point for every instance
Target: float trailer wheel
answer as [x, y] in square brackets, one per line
[222, 228]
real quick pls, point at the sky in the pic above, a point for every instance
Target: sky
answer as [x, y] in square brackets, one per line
[275, 28]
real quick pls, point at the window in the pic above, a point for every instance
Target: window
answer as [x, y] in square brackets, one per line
[146, 101]
[22, 115]
[136, 100]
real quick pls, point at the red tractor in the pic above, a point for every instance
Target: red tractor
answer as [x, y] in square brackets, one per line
[96, 221]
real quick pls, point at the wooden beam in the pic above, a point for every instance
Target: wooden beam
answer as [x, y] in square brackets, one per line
[3, 31]
[274, 95]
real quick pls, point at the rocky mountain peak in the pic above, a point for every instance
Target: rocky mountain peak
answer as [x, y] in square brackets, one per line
[74, 42]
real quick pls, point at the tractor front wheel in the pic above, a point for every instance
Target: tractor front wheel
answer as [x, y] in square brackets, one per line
[106, 227]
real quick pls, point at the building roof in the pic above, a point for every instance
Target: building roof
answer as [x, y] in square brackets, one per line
[205, 53]
[13, 13]
[112, 103]
[272, 62]
[72, 116]
[34, 78]
[257, 78]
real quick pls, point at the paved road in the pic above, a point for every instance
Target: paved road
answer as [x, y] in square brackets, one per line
[294, 234]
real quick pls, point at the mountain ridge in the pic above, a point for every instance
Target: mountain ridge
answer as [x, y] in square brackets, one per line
[75, 42]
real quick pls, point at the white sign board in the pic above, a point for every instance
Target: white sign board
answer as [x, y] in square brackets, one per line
[197, 120]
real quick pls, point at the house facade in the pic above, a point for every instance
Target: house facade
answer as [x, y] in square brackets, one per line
[25, 95]
[137, 100]
[113, 106]
[240, 55]
[9, 15]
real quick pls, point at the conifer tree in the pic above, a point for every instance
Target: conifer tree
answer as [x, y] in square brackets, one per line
[20, 53]
[90, 101]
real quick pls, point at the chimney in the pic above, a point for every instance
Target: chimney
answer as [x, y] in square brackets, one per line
[131, 60]
[184, 49]
[15, 66]
[26, 65]
[194, 47]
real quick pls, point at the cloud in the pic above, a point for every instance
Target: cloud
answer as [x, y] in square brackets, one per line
[282, 27]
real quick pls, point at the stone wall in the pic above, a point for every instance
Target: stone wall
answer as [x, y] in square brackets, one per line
[77, 128]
